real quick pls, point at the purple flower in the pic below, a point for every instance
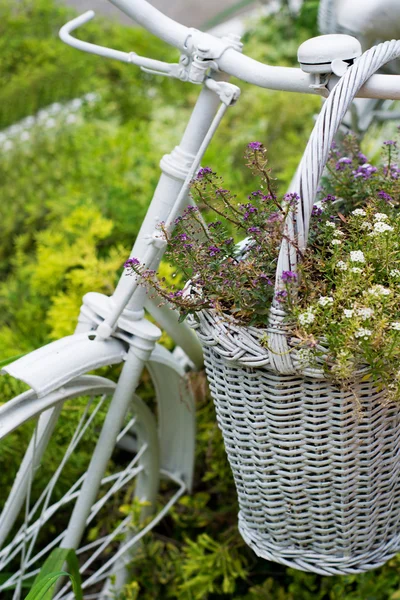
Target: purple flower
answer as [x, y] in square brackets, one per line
[229, 241]
[316, 211]
[265, 278]
[384, 196]
[362, 158]
[288, 276]
[204, 171]
[275, 216]
[255, 146]
[131, 262]
[253, 230]
[190, 209]
[214, 225]
[281, 295]
[329, 198]
[291, 198]
[188, 246]
[183, 236]
[390, 143]
[213, 250]
[365, 171]
[221, 191]
[342, 162]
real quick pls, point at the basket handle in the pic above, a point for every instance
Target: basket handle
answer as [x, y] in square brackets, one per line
[306, 183]
[317, 150]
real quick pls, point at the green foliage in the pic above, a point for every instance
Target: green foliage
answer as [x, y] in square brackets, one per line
[51, 572]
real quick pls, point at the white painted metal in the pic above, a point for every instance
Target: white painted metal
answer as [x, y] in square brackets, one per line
[318, 54]
[144, 466]
[52, 366]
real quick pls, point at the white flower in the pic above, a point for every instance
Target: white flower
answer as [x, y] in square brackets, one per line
[394, 273]
[54, 108]
[76, 103]
[28, 122]
[356, 270]
[14, 129]
[365, 313]
[338, 232]
[325, 300]
[330, 224]
[307, 317]
[378, 290]
[348, 312]
[3, 137]
[91, 97]
[380, 217]
[359, 212]
[43, 115]
[8, 145]
[50, 123]
[341, 265]
[25, 136]
[336, 242]
[381, 227]
[366, 225]
[395, 325]
[71, 119]
[363, 333]
[357, 256]
[304, 356]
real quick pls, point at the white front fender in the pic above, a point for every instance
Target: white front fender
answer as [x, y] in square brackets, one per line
[53, 365]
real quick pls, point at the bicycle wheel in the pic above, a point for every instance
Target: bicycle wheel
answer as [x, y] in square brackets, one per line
[61, 429]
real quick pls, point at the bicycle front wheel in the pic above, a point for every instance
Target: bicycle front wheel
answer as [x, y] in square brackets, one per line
[37, 501]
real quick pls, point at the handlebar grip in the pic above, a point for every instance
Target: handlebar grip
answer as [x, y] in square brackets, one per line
[155, 21]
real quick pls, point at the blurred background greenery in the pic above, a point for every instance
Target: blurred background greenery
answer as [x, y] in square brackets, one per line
[80, 142]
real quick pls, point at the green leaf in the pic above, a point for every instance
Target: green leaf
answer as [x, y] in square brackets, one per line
[51, 571]
[43, 588]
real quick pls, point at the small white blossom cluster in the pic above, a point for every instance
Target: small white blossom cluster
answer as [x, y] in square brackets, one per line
[357, 256]
[395, 325]
[304, 357]
[359, 212]
[341, 265]
[365, 313]
[381, 227]
[45, 118]
[356, 270]
[325, 301]
[394, 273]
[348, 313]
[330, 224]
[336, 242]
[363, 333]
[378, 290]
[306, 318]
[380, 217]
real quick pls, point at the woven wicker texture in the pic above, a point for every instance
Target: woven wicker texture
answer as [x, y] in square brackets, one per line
[316, 469]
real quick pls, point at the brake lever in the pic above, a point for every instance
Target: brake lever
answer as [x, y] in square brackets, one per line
[149, 65]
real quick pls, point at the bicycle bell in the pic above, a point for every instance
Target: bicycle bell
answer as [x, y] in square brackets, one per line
[332, 53]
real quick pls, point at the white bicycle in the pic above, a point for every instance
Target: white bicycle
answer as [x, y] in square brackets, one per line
[131, 448]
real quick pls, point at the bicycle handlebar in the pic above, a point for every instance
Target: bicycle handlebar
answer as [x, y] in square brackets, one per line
[155, 21]
[226, 58]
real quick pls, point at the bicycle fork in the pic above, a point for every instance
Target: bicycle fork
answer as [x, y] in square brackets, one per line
[138, 354]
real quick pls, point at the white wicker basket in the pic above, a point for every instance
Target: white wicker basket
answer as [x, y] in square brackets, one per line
[318, 485]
